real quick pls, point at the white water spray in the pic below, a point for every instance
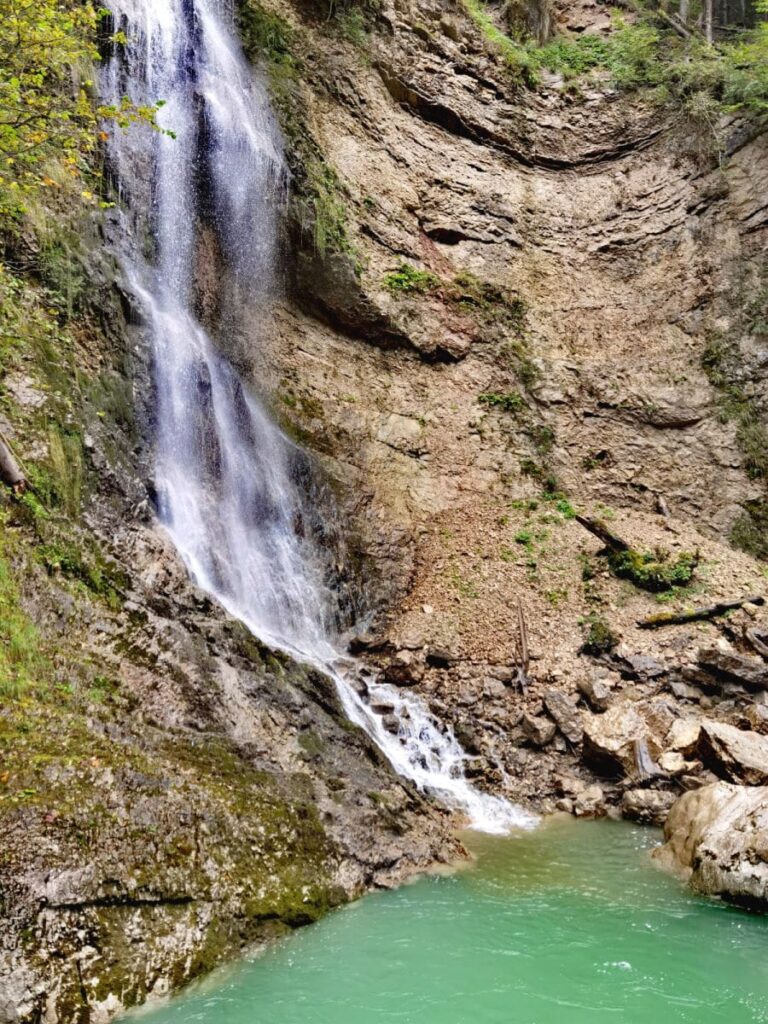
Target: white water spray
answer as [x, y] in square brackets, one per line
[228, 480]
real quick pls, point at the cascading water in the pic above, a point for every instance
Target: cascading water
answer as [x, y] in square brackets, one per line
[227, 478]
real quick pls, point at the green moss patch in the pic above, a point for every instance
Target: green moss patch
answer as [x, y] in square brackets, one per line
[408, 280]
[600, 638]
[654, 571]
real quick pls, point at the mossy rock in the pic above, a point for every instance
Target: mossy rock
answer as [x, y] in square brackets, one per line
[654, 571]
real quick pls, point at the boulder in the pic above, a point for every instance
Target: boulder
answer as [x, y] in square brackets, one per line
[647, 806]
[751, 673]
[717, 838]
[639, 666]
[733, 754]
[565, 713]
[569, 785]
[672, 762]
[590, 803]
[683, 736]
[538, 730]
[362, 642]
[403, 670]
[628, 738]
[684, 690]
[597, 690]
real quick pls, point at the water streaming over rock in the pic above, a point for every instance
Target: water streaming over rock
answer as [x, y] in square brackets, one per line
[229, 482]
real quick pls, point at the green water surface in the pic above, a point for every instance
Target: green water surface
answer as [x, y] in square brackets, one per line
[570, 923]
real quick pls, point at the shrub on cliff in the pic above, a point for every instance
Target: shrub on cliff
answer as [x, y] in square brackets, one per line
[49, 117]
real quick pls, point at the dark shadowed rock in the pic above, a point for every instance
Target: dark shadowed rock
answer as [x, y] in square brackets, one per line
[751, 673]
[441, 657]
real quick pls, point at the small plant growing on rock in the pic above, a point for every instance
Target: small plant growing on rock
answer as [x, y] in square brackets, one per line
[511, 402]
[407, 280]
[600, 638]
[489, 301]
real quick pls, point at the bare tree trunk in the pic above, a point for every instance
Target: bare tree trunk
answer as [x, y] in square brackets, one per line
[709, 21]
[685, 11]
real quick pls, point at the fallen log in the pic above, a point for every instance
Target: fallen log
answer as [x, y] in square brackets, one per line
[598, 528]
[711, 611]
[674, 22]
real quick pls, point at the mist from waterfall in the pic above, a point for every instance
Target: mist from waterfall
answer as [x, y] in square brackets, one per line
[231, 487]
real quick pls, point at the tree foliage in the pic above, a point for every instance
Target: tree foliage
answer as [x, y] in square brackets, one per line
[50, 118]
[706, 79]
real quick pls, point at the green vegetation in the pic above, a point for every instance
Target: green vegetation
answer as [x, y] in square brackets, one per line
[750, 531]
[353, 25]
[486, 301]
[49, 118]
[600, 638]
[263, 33]
[518, 57]
[655, 571]
[721, 364]
[512, 402]
[22, 664]
[318, 196]
[324, 210]
[565, 508]
[463, 587]
[704, 79]
[408, 280]
[339, 9]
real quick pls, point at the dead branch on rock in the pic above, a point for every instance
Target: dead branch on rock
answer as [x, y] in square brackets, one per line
[522, 653]
[711, 611]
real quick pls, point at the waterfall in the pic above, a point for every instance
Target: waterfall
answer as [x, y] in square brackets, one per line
[228, 481]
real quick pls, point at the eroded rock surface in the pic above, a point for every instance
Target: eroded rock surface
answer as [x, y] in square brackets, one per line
[717, 838]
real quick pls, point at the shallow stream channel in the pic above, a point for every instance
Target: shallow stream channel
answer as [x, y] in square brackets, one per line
[571, 922]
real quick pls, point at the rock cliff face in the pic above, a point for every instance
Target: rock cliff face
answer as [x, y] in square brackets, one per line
[172, 791]
[501, 305]
[538, 302]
